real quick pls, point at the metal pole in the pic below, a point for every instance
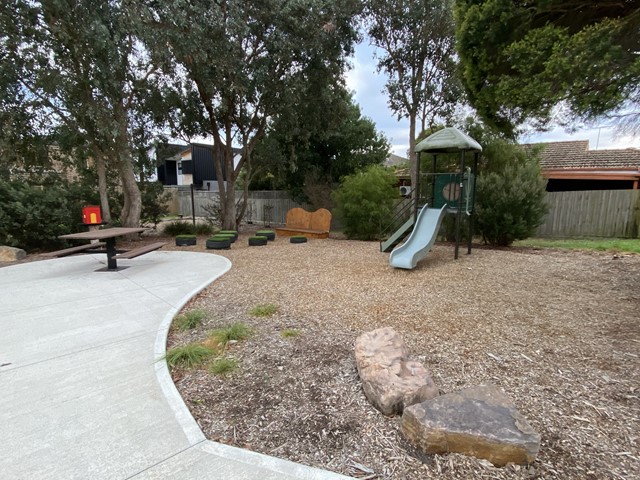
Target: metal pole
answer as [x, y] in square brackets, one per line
[433, 180]
[193, 206]
[473, 200]
[461, 195]
[416, 191]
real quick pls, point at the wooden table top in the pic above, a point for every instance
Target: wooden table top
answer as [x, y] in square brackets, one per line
[103, 234]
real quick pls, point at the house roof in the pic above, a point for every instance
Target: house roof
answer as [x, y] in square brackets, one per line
[576, 155]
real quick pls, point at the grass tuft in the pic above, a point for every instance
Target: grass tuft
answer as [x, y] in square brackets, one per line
[235, 331]
[222, 366]
[264, 310]
[290, 332]
[188, 356]
[189, 320]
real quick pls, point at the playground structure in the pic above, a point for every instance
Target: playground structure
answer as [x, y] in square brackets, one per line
[448, 188]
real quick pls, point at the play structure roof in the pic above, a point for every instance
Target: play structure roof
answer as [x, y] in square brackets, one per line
[448, 140]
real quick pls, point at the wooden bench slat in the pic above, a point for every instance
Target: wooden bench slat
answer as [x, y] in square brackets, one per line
[70, 250]
[136, 252]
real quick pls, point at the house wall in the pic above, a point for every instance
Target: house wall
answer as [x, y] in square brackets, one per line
[599, 213]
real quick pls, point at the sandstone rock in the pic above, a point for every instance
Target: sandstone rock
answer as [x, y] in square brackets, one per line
[391, 381]
[479, 421]
[11, 254]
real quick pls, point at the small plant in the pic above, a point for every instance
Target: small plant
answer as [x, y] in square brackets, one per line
[223, 365]
[235, 331]
[264, 310]
[290, 332]
[203, 229]
[188, 356]
[189, 320]
[179, 228]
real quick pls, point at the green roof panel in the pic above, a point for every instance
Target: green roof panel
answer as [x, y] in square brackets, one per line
[448, 140]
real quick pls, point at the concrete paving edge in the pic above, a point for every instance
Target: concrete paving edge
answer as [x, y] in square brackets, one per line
[183, 415]
[191, 428]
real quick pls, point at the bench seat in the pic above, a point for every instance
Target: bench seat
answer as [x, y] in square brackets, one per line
[76, 249]
[289, 232]
[136, 252]
[311, 224]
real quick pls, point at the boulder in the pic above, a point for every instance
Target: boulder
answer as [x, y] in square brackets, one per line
[390, 379]
[11, 254]
[479, 421]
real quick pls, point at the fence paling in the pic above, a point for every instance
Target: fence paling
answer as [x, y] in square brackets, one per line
[596, 213]
[264, 207]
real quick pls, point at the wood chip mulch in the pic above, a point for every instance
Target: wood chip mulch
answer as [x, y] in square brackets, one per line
[558, 331]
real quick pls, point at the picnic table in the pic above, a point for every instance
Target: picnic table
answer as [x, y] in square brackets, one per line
[109, 235]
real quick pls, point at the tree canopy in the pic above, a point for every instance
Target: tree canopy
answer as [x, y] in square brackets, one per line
[238, 65]
[74, 72]
[416, 38]
[317, 144]
[527, 61]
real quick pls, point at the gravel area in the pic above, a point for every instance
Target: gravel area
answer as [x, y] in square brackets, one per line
[557, 331]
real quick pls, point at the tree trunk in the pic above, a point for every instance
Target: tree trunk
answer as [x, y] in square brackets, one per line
[132, 207]
[413, 158]
[229, 207]
[102, 188]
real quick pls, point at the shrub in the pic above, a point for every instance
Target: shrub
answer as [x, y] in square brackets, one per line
[154, 202]
[189, 320]
[179, 228]
[188, 356]
[511, 203]
[364, 202]
[32, 216]
[203, 229]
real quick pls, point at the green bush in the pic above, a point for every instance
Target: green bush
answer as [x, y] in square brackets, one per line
[511, 203]
[364, 202]
[179, 228]
[154, 202]
[32, 216]
[203, 229]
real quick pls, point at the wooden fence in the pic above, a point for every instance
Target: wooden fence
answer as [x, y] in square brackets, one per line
[264, 207]
[597, 213]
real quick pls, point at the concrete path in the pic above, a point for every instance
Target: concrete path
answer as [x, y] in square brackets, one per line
[84, 392]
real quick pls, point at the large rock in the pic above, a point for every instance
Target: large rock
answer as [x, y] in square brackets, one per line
[391, 381]
[479, 421]
[11, 254]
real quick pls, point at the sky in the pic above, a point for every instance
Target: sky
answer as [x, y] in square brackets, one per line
[368, 86]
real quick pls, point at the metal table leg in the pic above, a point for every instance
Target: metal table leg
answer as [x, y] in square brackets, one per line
[112, 263]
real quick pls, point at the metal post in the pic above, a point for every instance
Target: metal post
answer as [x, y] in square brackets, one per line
[433, 180]
[416, 190]
[473, 201]
[112, 263]
[193, 206]
[461, 196]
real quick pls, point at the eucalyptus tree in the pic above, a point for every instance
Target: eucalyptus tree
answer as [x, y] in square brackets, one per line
[416, 39]
[79, 66]
[523, 60]
[238, 64]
